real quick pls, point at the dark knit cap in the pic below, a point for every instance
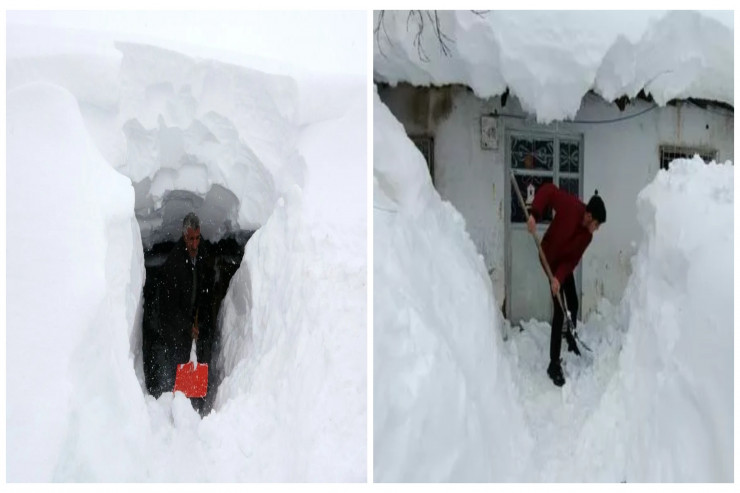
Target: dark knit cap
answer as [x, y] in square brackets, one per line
[596, 208]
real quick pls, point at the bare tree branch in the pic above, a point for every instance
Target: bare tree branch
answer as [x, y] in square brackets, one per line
[376, 32]
[421, 20]
[441, 37]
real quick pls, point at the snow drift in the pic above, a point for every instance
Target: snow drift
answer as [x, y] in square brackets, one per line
[444, 405]
[244, 149]
[550, 60]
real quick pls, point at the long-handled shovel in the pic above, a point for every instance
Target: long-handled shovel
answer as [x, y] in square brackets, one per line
[192, 377]
[570, 334]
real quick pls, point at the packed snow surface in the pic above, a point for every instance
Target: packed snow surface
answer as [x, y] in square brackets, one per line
[463, 396]
[550, 59]
[108, 146]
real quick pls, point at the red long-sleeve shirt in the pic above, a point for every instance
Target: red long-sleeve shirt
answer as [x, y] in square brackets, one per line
[566, 238]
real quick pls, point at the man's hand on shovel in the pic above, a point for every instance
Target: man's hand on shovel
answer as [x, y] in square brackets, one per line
[555, 286]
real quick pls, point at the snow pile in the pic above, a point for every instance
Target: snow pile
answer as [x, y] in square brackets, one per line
[444, 404]
[677, 362]
[244, 149]
[549, 60]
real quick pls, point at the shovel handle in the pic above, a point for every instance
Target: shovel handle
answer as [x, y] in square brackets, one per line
[543, 259]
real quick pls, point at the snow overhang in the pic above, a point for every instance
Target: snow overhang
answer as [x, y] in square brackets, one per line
[550, 60]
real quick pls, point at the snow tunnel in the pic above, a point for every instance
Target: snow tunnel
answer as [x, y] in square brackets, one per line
[210, 138]
[223, 241]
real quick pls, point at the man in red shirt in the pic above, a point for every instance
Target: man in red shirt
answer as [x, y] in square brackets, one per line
[565, 240]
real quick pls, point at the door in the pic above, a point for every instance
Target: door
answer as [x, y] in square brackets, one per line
[535, 159]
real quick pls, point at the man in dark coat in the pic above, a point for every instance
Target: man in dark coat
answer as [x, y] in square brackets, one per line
[186, 292]
[566, 239]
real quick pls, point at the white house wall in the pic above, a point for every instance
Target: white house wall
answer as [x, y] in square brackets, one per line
[620, 158]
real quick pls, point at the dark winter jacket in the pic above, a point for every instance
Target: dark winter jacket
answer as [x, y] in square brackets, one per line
[179, 303]
[566, 239]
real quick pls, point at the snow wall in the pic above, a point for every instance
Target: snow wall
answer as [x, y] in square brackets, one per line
[444, 404]
[446, 407]
[292, 406]
[677, 362]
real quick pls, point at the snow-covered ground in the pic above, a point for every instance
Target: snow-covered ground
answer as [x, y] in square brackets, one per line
[459, 395]
[108, 146]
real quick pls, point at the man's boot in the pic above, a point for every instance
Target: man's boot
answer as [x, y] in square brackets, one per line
[555, 372]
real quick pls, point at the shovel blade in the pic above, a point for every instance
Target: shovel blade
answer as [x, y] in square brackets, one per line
[192, 380]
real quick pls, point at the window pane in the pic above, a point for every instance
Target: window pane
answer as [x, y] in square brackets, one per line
[569, 185]
[524, 181]
[531, 154]
[569, 157]
[544, 155]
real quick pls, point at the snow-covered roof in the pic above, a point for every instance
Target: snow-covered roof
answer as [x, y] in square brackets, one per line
[550, 59]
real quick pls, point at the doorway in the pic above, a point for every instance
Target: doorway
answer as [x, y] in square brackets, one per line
[535, 158]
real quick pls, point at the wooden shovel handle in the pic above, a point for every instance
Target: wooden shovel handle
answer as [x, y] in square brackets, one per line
[543, 259]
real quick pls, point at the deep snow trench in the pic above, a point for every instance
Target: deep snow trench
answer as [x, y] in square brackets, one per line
[247, 151]
[462, 396]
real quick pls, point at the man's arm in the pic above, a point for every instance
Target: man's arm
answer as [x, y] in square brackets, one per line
[548, 195]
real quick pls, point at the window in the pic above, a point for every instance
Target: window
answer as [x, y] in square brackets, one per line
[425, 144]
[670, 152]
[539, 160]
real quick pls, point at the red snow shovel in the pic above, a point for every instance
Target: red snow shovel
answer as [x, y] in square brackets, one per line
[192, 377]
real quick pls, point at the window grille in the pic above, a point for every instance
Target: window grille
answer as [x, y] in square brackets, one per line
[539, 160]
[670, 152]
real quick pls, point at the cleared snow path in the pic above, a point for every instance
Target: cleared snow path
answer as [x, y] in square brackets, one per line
[556, 416]
[653, 401]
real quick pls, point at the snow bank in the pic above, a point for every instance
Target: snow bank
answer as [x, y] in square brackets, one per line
[244, 149]
[666, 411]
[74, 277]
[445, 408]
[677, 361]
[549, 60]
[294, 322]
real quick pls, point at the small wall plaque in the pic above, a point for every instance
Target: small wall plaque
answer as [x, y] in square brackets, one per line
[489, 132]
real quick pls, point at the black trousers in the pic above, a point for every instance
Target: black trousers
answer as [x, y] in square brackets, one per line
[571, 299]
